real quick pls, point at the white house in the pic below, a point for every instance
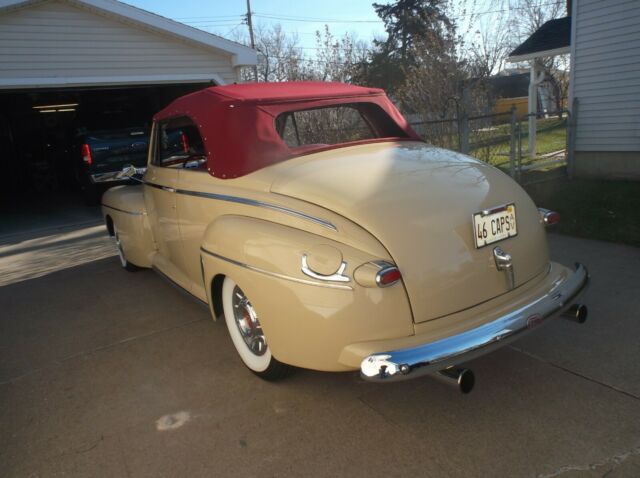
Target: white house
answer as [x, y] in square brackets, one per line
[69, 43]
[603, 39]
[605, 82]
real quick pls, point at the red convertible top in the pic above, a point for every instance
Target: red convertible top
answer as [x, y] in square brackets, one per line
[237, 122]
[292, 90]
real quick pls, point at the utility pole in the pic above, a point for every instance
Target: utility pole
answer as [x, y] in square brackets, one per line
[253, 42]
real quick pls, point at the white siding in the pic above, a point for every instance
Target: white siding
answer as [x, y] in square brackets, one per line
[606, 74]
[64, 44]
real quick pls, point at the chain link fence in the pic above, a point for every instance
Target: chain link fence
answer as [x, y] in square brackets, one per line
[502, 140]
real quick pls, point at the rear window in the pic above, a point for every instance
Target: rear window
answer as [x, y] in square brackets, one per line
[335, 124]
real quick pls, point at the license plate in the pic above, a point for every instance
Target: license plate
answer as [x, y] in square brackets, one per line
[494, 225]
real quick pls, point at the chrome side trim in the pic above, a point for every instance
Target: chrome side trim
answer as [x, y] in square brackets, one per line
[126, 212]
[275, 274]
[253, 202]
[337, 276]
[430, 357]
[249, 202]
[152, 185]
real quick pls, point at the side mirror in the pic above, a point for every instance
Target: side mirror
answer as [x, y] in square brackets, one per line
[130, 171]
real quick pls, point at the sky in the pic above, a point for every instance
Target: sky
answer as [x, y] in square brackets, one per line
[304, 17]
[225, 17]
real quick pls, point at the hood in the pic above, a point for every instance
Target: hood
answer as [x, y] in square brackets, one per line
[418, 201]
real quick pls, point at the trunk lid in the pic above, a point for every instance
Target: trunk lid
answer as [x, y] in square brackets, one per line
[418, 201]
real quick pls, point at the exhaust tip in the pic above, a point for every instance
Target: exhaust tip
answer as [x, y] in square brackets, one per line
[577, 313]
[463, 379]
[466, 381]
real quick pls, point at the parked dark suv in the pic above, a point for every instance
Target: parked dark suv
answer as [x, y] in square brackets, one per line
[104, 152]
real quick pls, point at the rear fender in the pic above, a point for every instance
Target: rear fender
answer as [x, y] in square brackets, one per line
[306, 321]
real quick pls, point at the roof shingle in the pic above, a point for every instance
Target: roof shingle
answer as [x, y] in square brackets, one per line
[552, 35]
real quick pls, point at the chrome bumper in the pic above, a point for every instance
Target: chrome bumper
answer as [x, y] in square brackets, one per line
[107, 177]
[428, 358]
[113, 176]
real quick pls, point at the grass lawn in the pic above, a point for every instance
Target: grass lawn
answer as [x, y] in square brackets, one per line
[552, 136]
[595, 209]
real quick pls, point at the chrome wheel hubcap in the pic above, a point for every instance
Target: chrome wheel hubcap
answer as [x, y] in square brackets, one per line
[248, 324]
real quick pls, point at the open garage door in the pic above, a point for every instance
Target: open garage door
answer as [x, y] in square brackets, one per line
[43, 132]
[72, 67]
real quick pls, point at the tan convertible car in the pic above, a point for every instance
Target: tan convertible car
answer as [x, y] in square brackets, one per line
[316, 223]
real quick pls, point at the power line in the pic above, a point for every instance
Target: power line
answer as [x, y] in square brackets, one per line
[510, 9]
[205, 25]
[228, 33]
[311, 19]
[308, 60]
[215, 17]
[295, 18]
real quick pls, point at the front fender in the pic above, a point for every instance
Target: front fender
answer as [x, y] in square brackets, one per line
[307, 322]
[123, 208]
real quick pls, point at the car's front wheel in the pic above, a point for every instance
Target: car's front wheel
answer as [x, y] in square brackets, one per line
[247, 335]
[124, 262]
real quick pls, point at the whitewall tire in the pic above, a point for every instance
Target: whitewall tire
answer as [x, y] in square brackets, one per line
[123, 258]
[246, 333]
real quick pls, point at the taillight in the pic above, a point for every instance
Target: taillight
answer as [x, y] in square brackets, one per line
[549, 218]
[185, 143]
[388, 276]
[86, 154]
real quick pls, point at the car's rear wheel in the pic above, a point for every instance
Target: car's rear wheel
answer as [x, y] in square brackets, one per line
[124, 262]
[247, 335]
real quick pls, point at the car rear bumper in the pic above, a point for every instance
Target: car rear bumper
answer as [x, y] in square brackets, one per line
[114, 176]
[411, 362]
[110, 177]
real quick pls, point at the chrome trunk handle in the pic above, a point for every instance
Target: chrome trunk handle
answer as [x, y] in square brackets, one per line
[505, 263]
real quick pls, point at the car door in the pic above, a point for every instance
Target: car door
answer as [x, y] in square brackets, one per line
[166, 159]
[195, 208]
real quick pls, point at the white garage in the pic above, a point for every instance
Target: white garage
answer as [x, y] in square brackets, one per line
[67, 63]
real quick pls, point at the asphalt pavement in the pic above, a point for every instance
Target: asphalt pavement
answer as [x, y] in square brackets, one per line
[110, 373]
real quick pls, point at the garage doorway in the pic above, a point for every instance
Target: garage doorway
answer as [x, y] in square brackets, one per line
[42, 131]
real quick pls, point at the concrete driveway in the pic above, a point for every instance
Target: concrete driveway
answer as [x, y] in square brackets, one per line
[108, 373]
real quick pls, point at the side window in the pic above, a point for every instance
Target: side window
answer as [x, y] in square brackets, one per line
[178, 144]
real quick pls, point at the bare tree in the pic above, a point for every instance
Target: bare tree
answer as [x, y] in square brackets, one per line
[337, 58]
[529, 15]
[280, 57]
[489, 48]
